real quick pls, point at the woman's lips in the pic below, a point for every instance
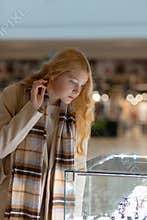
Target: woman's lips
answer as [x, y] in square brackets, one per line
[70, 97]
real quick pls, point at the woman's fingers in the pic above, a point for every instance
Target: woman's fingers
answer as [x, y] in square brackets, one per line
[37, 92]
[43, 91]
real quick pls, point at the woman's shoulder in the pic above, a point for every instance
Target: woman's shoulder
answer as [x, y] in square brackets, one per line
[13, 89]
[13, 96]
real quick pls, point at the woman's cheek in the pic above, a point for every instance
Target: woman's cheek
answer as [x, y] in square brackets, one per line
[59, 87]
[61, 90]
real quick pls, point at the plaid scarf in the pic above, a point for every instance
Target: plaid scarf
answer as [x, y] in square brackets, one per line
[25, 183]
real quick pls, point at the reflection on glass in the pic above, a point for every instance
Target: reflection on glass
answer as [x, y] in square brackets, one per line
[112, 187]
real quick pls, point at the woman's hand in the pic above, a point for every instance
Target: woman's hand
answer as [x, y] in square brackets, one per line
[37, 92]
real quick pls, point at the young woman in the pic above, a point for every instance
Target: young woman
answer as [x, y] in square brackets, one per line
[45, 123]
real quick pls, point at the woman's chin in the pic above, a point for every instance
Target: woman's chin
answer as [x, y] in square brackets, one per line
[67, 101]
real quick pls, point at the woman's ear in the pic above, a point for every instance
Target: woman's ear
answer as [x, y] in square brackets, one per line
[50, 80]
[50, 83]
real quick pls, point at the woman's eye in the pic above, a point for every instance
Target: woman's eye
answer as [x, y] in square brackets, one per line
[72, 82]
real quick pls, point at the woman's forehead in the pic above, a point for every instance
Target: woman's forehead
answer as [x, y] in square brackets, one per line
[79, 75]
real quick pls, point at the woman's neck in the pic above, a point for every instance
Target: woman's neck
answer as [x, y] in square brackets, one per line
[53, 99]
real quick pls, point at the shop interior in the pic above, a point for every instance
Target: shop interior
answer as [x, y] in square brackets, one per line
[120, 87]
[113, 35]
[119, 131]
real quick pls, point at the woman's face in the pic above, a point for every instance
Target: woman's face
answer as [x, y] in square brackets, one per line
[67, 86]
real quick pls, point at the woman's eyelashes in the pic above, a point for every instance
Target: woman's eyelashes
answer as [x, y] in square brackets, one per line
[74, 83]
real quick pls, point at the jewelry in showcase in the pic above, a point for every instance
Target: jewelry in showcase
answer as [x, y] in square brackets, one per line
[134, 207]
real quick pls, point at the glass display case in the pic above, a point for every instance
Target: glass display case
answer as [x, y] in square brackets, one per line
[112, 187]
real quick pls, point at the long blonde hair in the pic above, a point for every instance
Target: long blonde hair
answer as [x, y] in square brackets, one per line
[71, 60]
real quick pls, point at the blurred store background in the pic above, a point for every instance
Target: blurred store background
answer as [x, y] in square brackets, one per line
[113, 34]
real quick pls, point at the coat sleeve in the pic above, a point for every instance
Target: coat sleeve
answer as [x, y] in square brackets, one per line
[80, 182]
[80, 160]
[14, 126]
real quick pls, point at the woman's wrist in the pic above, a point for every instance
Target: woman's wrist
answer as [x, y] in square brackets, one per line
[40, 109]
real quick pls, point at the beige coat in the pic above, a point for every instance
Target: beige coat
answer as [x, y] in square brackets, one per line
[17, 117]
